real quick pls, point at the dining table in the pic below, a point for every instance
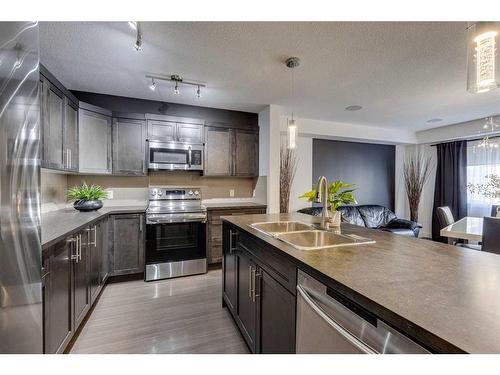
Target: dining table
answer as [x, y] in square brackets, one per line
[467, 229]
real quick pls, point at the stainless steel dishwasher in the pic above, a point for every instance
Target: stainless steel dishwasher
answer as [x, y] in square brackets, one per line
[327, 322]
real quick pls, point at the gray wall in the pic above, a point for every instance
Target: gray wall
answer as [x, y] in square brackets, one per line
[369, 166]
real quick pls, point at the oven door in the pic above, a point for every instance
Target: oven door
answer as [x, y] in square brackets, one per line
[175, 156]
[175, 241]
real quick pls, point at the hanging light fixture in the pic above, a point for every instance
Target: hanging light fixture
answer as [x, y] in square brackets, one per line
[483, 65]
[490, 127]
[198, 92]
[291, 130]
[134, 25]
[178, 81]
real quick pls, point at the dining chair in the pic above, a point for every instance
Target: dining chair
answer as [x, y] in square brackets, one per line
[445, 218]
[495, 210]
[491, 234]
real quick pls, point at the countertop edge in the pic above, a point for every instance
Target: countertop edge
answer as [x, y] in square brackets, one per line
[388, 316]
[112, 211]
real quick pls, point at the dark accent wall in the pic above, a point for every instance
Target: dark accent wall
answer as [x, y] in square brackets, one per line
[369, 166]
[212, 116]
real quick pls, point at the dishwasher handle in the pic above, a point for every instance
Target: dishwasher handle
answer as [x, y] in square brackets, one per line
[341, 330]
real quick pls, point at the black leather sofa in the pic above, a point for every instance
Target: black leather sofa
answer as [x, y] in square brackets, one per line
[372, 216]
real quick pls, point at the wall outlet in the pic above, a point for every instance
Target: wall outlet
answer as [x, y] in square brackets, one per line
[110, 194]
[231, 192]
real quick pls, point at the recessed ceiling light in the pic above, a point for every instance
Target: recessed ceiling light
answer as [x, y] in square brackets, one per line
[353, 108]
[433, 120]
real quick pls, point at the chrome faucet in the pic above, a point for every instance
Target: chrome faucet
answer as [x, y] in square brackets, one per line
[323, 198]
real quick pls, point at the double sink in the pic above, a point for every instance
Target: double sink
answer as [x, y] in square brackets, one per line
[307, 236]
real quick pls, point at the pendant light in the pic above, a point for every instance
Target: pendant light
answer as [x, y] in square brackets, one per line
[490, 128]
[291, 130]
[483, 65]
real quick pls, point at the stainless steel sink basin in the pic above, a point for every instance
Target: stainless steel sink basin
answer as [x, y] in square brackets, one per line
[317, 239]
[276, 227]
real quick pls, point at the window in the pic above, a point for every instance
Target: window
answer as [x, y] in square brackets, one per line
[481, 162]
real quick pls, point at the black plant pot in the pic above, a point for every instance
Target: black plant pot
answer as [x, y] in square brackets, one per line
[83, 205]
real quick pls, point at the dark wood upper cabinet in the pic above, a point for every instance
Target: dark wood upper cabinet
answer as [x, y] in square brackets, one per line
[52, 103]
[231, 152]
[129, 143]
[246, 153]
[70, 148]
[127, 243]
[164, 131]
[191, 133]
[218, 151]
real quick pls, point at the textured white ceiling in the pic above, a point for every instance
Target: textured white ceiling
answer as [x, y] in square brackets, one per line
[403, 74]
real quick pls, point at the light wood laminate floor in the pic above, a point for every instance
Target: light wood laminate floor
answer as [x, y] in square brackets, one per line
[182, 315]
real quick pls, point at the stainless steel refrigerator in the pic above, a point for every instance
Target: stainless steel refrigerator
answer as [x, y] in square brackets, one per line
[20, 251]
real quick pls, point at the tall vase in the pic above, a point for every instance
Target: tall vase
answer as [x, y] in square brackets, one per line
[414, 210]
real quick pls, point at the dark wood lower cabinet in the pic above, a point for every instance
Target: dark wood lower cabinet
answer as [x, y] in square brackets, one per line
[81, 278]
[98, 257]
[127, 243]
[59, 296]
[262, 307]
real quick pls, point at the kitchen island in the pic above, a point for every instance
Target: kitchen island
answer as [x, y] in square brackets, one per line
[445, 298]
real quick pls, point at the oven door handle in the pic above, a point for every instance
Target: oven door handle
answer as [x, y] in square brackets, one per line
[177, 219]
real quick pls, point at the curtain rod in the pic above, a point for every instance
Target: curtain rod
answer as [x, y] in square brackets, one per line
[467, 140]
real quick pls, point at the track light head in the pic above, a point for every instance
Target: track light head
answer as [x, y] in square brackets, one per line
[152, 86]
[176, 89]
[198, 93]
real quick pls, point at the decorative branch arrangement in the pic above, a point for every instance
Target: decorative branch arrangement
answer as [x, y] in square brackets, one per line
[491, 189]
[288, 168]
[416, 172]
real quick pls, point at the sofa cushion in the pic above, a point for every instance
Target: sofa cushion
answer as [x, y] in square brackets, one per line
[375, 216]
[351, 215]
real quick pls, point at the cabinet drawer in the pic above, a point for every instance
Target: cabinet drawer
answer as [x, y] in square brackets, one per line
[274, 263]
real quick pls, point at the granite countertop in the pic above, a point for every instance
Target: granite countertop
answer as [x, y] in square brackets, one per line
[231, 205]
[58, 224]
[435, 290]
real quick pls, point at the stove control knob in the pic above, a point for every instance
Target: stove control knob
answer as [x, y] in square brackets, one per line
[196, 192]
[159, 193]
[153, 193]
[190, 192]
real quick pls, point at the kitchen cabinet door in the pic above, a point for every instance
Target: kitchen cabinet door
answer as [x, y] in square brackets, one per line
[59, 297]
[276, 316]
[218, 155]
[95, 249]
[53, 117]
[127, 241]
[81, 278]
[129, 141]
[246, 153]
[103, 244]
[246, 306]
[94, 142]
[230, 270]
[162, 131]
[192, 133]
[70, 149]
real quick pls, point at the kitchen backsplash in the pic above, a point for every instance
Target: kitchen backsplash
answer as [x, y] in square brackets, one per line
[54, 185]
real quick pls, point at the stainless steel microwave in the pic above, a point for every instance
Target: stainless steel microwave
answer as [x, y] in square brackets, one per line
[175, 156]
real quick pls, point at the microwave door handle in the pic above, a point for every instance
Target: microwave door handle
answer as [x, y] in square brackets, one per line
[189, 156]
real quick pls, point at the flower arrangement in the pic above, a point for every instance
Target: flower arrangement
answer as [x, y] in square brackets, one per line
[339, 194]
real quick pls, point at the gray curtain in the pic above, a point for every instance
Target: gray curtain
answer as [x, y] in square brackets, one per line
[451, 182]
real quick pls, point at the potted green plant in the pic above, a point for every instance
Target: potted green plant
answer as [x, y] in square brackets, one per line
[87, 197]
[339, 194]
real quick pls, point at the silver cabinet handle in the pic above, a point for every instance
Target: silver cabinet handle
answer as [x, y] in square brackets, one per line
[140, 223]
[95, 236]
[94, 229]
[74, 256]
[250, 282]
[80, 248]
[341, 330]
[232, 234]
[190, 155]
[256, 282]
[69, 157]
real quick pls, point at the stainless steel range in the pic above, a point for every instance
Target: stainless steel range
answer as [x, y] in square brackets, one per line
[175, 233]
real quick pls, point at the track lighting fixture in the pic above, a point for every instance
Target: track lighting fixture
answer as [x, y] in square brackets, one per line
[178, 80]
[152, 86]
[134, 25]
